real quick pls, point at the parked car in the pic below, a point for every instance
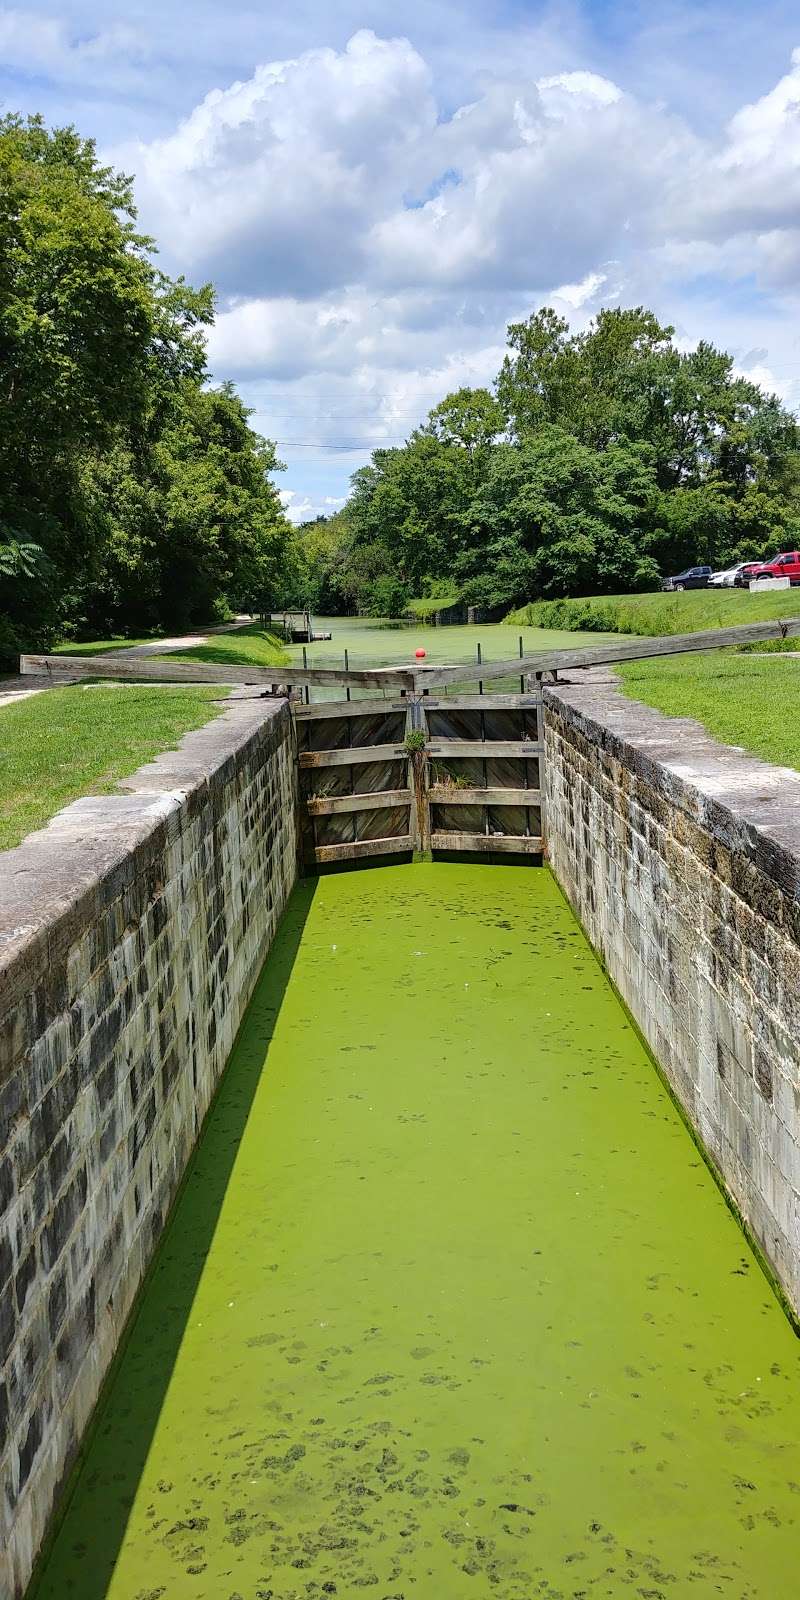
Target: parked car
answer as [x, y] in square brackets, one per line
[786, 565]
[745, 572]
[692, 578]
[730, 577]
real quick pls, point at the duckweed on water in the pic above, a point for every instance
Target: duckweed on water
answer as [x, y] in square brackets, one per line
[450, 1305]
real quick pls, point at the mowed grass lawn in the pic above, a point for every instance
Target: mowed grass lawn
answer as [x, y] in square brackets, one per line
[99, 647]
[80, 740]
[741, 699]
[246, 647]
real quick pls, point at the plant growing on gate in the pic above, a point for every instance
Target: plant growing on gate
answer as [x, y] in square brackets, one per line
[446, 778]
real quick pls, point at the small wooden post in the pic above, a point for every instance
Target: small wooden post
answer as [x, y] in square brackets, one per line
[522, 675]
[307, 832]
[347, 669]
[483, 737]
[419, 820]
[305, 664]
[352, 770]
[535, 688]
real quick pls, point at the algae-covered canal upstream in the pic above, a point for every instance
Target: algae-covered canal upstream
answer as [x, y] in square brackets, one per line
[450, 1305]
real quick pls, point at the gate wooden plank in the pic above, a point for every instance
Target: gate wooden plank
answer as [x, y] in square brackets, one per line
[483, 702]
[401, 845]
[373, 707]
[378, 800]
[357, 756]
[488, 843]
[631, 649]
[445, 794]
[487, 750]
[168, 670]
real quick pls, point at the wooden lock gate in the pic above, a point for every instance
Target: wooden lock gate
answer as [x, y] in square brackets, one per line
[421, 774]
[415, 766]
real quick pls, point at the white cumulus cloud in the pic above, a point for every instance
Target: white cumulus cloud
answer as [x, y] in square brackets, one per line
[304, 507]
[370, 242]
[33, 43]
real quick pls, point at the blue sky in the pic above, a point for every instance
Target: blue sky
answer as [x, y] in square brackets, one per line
[376, 191]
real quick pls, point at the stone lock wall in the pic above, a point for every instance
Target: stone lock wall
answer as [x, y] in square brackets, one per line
[681, 857]
[132, 930]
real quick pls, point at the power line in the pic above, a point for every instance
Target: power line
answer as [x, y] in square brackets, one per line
[286, 416]
[314, 444]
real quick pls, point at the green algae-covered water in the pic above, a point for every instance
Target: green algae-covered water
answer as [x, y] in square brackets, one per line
[450, 1305]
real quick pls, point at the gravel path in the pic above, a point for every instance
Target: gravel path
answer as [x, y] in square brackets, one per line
[16, 687]
[183, 641]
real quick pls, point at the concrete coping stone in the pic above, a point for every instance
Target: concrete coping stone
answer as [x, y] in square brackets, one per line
[744, 802]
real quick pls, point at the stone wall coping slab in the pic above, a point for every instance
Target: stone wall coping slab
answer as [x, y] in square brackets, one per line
[743, 802]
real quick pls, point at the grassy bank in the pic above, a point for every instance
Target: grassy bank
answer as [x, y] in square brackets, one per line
[99, 647]
[657, 614]
[742, 700]
[244, 647]
[82, 739]
[740, 697]
[426, 606]
[247, 647]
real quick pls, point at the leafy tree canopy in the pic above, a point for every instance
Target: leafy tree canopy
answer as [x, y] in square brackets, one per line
[599, 461]
[145, 494]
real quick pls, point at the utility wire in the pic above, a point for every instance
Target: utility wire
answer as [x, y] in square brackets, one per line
[313, 444]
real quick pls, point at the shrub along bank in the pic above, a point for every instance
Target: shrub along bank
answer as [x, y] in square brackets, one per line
[657, 614]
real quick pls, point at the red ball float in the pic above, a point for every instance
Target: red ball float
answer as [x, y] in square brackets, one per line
[420, 654]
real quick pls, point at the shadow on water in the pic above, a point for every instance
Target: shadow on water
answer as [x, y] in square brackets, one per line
[482, 858]
[364, 864]
[82, 1550]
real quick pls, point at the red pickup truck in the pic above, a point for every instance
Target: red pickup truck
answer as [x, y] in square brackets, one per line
[783, 566]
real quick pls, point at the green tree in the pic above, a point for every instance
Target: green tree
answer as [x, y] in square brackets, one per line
[148, 493]
[470, 419]
[324, 548]
[89, 330]
[413, 502]
[607, 457]
[554, 517]
[624, 378]
[194, 524]
[224, 533]
[539, 384]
